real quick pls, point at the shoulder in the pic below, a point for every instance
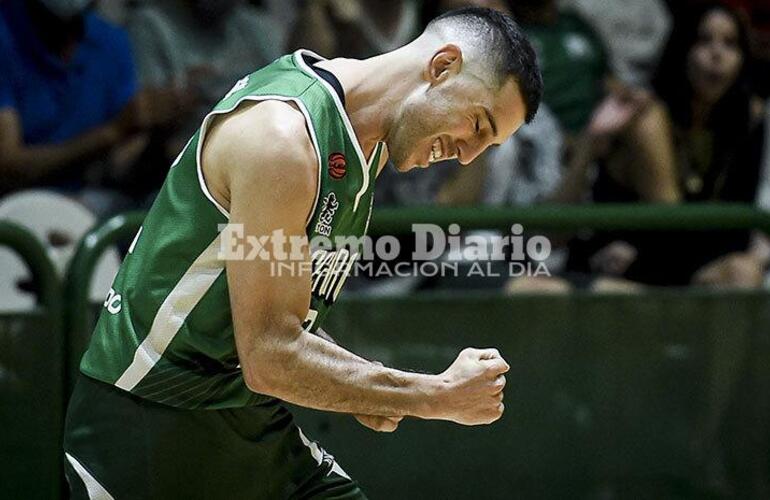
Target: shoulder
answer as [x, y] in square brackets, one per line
[276, 128]
[266, 142]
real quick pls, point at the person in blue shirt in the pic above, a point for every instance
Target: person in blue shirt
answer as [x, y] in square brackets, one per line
[68, 93]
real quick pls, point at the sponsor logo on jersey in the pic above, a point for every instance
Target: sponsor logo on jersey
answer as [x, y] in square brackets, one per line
[337, 166]
[113, 302]
[329, 207]
[330, 271]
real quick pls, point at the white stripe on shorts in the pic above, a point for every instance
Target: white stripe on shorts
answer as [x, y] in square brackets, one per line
[95, 490]
[319, 454]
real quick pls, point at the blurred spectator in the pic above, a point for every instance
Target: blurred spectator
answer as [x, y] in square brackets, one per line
[355, 28]
[634, 31]
[572, 59]
[115, 11]
[284, 14]
[527, 168]
[700, 139]
[757, 12]
[413, 188]
[68, 95]
[200, 48]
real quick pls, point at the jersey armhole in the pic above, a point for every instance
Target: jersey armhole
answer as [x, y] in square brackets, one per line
[252, 98]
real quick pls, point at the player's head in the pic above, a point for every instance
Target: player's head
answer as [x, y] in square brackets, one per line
[479, 82]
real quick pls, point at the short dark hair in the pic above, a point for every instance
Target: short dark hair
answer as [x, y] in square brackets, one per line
[509, 51]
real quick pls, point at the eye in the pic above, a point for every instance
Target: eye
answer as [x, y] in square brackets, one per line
[477, 125]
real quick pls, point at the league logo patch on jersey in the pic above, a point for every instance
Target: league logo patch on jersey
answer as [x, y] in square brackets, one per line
[337, 166]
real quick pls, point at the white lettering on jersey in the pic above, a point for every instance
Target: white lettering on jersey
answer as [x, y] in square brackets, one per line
[330, 271]
[329, 207]
[113, 302]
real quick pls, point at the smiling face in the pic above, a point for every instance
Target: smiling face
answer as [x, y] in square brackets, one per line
[715, 60]
[456, 113]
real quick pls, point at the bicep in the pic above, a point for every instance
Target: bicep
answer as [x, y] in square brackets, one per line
[269, 284]
[271, 184]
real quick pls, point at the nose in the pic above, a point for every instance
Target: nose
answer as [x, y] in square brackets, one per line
[717, 50]
[469, 151]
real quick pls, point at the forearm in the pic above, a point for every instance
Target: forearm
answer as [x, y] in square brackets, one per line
[29, 163]
[318, 374]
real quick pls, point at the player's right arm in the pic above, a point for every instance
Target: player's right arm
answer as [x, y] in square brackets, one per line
[265, 165]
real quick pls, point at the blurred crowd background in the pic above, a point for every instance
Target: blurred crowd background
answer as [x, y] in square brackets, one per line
[646, 101]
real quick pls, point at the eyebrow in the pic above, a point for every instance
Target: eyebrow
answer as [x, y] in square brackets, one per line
[491, 121]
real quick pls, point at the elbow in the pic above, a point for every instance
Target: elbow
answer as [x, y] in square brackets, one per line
[258, 381]
[265, 370]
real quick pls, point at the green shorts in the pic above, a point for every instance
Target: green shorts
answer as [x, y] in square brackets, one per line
[123, 447]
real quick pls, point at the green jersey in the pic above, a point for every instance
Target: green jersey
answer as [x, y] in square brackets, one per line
[166, 332]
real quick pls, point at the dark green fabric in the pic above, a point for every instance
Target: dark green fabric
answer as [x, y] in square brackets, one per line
[137, 449]
[573, 63]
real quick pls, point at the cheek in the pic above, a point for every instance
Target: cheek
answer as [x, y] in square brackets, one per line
[697, 60]
[733, 63]
[697, 64]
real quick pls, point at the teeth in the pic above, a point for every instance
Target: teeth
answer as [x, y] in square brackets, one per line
[436, 152]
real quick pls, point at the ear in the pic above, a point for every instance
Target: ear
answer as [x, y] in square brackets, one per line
[447, 61]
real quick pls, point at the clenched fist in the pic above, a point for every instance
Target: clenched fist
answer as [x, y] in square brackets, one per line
[473, 388]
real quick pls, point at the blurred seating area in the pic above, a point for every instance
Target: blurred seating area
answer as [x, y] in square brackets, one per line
[655, 116]
[646, 102]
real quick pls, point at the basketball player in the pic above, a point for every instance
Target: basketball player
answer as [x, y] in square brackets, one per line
[182, 387]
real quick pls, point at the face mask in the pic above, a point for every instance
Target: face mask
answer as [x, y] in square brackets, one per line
[65, 9]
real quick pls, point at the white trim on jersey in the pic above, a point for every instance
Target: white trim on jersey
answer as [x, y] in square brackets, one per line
[365, 165]
[257, 98]
[173, 312]
[94, 489]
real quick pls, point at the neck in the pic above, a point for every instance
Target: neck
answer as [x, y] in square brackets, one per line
[701, 110]
[374, 88]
